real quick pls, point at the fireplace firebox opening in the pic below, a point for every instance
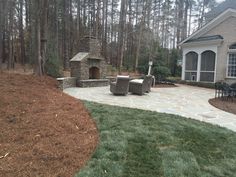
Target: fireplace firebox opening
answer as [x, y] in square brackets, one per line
[94, 73]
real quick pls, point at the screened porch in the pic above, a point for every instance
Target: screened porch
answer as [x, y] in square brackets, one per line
[200, 66]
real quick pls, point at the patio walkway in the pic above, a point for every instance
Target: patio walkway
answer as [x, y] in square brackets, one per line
[187, 101]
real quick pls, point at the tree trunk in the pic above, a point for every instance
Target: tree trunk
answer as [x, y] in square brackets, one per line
[185, 21]
[112, 34]
[142, 24]
[44, 27]
[190, 18]
[179, 21]
[21, 31]
[104, 37]
[97, 20]
[65, 35]
[121, 36]
[38, 38]
[78, 23]
[1, 33]
[10, 64]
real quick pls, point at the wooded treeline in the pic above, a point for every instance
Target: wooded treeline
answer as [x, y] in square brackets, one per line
[46, 33]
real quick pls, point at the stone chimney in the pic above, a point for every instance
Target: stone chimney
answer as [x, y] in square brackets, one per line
[90, 45]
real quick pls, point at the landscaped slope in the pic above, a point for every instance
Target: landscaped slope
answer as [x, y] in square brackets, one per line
[137, 143]
[43, 132]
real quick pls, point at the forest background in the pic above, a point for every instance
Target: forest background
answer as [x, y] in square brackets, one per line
[45, 34]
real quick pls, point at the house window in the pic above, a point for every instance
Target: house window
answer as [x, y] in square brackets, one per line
[232, 46]
[231, 68]
[232, 65]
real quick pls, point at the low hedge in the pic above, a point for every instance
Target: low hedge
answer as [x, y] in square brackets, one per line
[198, 84]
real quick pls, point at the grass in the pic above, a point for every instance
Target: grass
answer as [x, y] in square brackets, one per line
[137, 143]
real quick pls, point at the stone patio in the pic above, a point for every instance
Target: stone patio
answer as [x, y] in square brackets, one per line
[187, 101]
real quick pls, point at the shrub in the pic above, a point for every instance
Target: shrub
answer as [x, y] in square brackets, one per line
[161, 73]
[198, 84]
[142, 69]
[173, 79]
[52, 67]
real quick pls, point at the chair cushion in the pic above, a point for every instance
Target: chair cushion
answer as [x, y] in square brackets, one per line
[137, 81]
[121, 76]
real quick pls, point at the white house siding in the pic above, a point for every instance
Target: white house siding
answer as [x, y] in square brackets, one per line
[227, 30]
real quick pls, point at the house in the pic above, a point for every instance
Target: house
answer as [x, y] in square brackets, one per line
[209, 54]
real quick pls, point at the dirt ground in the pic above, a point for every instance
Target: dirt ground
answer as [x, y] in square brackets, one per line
[43, 132]
[225, 105]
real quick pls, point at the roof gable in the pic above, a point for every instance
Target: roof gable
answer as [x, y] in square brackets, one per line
[219, 19]
[205, 38]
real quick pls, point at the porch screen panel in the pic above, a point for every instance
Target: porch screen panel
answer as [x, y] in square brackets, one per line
[208, 61]
[191, 76]
[207, 66]
[191, 61]
[207, 77]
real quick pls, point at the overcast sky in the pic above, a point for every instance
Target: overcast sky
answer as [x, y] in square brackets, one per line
[220, 0]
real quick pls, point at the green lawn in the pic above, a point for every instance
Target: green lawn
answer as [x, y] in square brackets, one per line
[137, 143]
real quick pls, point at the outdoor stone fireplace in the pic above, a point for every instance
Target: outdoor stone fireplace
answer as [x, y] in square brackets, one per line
[88, 66]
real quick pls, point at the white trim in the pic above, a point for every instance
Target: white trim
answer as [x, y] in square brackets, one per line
[200, 49]
[216, 60]
[231, 50]
[191, 71]
[207, 71]
[227, 65]
[199, 67]
[216, 21]
[230, 77]
[183, 67]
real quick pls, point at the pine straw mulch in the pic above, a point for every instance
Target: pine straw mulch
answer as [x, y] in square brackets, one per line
[224, 104]
[43, 132]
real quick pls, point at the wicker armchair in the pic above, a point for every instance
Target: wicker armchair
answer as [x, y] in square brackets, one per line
[141, 86]
[121, 86]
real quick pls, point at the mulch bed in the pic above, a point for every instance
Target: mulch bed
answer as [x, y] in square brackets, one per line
[43, 132]
[225, 105]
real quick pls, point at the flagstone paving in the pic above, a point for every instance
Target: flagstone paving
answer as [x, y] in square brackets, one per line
[187, 101]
